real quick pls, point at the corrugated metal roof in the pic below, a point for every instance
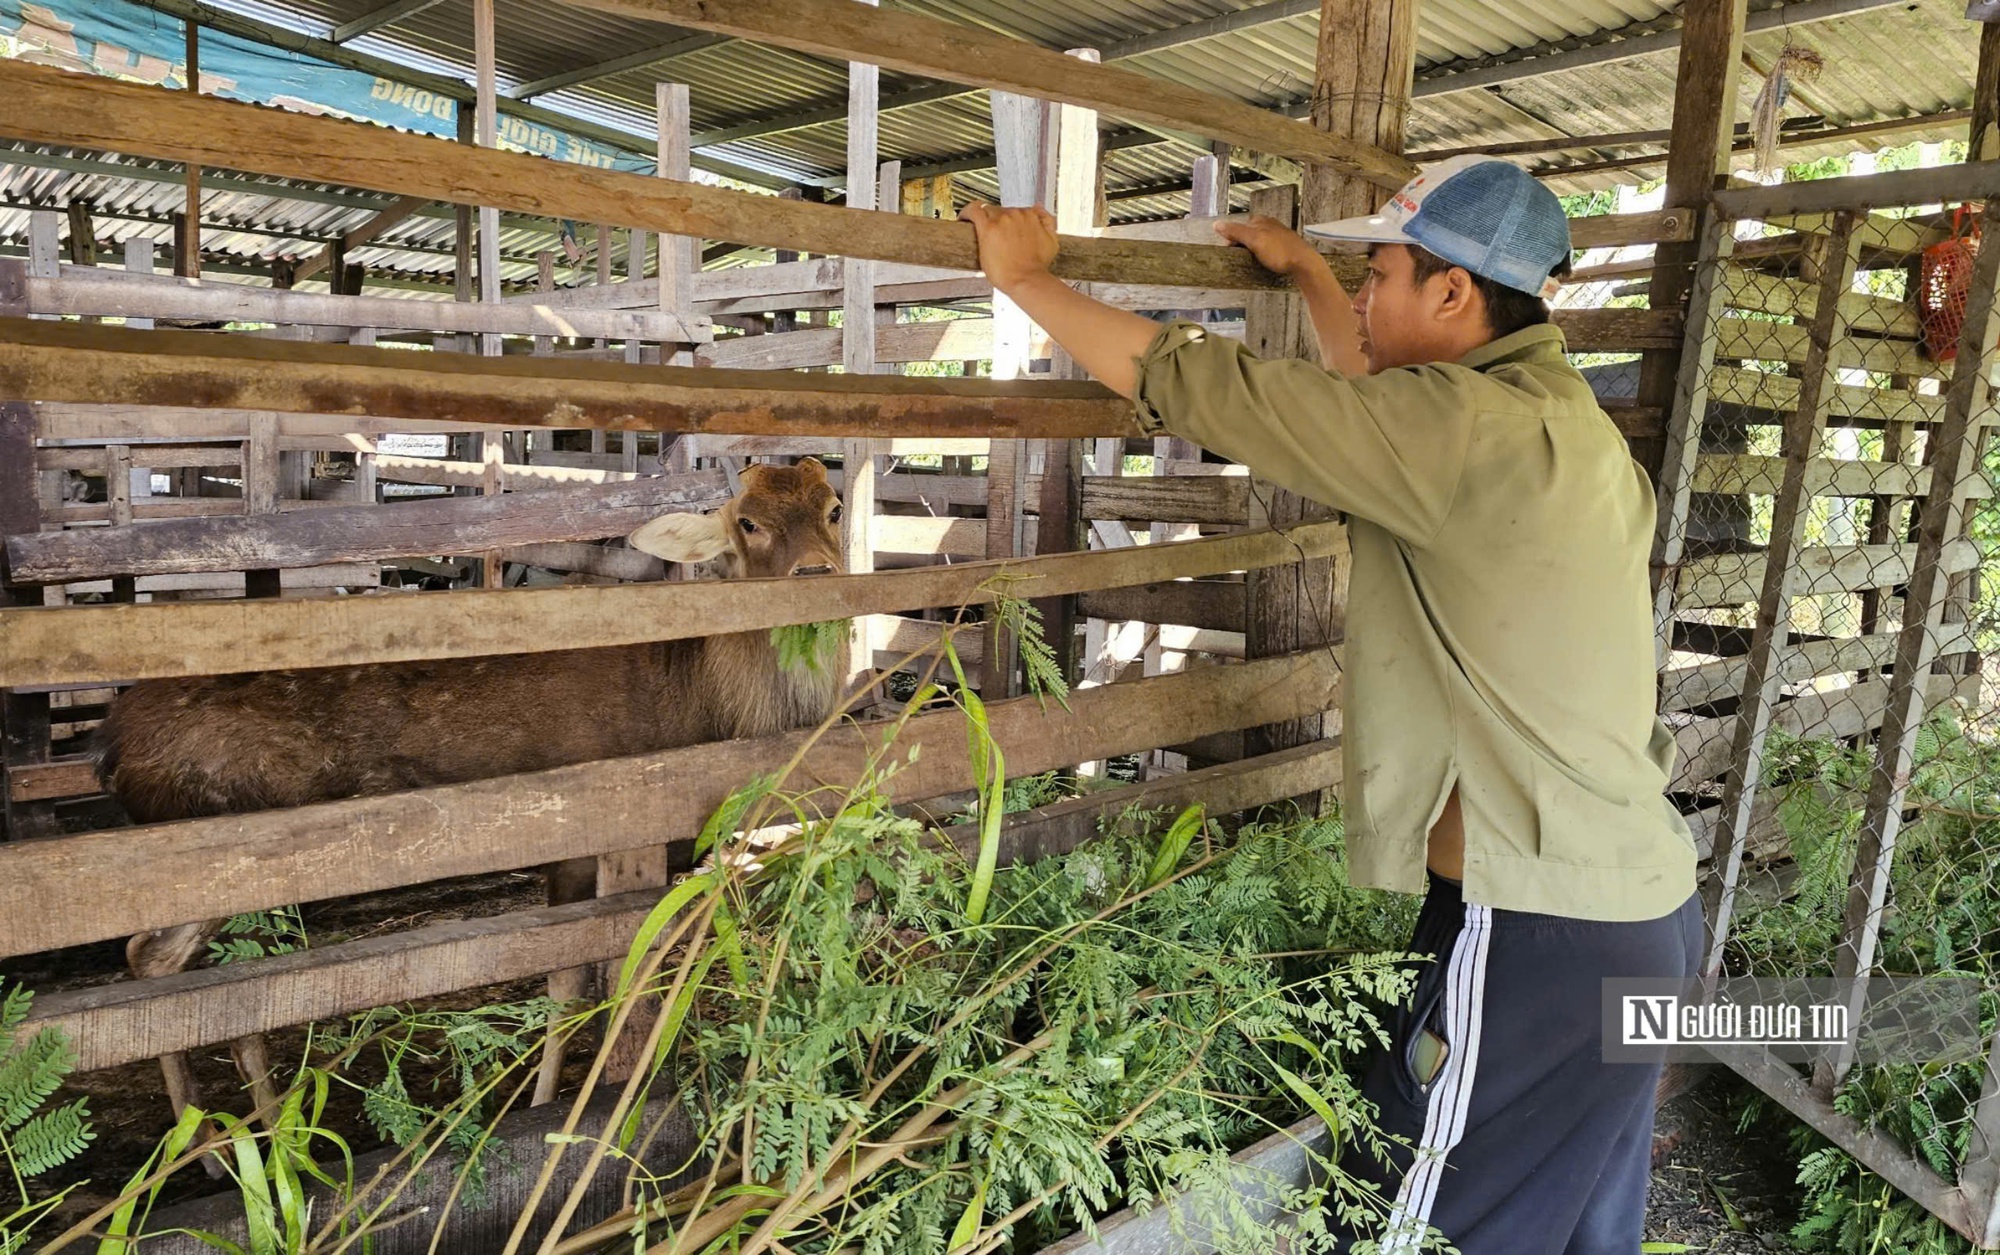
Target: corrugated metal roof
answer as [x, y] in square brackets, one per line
[1909, 60]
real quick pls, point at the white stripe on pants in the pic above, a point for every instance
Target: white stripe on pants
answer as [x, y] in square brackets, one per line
[1451, 1092]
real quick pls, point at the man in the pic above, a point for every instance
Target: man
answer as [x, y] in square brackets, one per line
[1501, 749]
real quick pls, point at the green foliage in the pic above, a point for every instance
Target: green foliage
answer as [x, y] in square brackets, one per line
[812, 647]
[32, 1140]
[1944, 919]
[259, 934]
[465, 1050]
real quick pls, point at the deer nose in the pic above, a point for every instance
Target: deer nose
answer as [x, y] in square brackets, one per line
[818, 569]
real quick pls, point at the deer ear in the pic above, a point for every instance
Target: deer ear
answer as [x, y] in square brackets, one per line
[812, 468]
[682, 537]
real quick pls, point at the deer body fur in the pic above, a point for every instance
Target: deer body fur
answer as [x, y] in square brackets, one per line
[181, 748]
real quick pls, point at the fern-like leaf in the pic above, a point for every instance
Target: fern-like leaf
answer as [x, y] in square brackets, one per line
[52, 1138]
[31, 1074]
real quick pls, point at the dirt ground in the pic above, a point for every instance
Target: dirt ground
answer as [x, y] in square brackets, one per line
[1716, 1190]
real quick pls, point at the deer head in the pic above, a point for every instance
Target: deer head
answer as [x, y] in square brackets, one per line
[786, 521]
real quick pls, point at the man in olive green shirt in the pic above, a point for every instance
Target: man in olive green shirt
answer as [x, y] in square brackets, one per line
[1501, 750]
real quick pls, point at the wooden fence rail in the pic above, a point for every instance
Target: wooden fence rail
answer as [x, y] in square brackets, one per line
[132, 1020]
[357, 533]
[51, 645]
[82, 362]
[209, 868]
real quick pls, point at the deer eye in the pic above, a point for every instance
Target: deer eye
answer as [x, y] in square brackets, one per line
[834, 515]
[749, 528]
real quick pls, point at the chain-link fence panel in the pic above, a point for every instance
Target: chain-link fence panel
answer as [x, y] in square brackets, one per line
[1823, 620]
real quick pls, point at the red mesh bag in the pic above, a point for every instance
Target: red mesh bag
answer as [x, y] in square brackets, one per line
[1944, 278]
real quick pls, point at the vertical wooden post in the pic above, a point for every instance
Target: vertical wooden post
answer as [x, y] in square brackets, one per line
[82, 234]
[1956, 445]
[1061, 527]
[1983, 137]
[187, 228]
[680, 255]
[486, 128]
[1365, 61]
[24, 717]
[1020, 143]
[1762, 675]
[859, 458]
[1704, 126]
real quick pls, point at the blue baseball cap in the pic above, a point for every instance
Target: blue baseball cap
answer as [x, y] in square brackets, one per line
[1488, 216]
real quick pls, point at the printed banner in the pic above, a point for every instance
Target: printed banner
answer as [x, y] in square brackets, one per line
[120, 39]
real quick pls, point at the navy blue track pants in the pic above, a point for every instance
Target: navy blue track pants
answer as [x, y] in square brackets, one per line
[1526, 1142]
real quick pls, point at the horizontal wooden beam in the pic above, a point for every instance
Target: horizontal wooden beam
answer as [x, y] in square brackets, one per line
[40, 782]
[912, 43]
[1728, 579]
[93, 291]
[1765, 390]
[1704, 744]
[1744, 288]
[83, 362]
[209, 868]
[58, 645]
[128, 1021]
[358, 533]
[1976, 180]
[1682, 688]
[1754, 339]
[952, 340]
[141, 424]
[1825, 477]
[1219, 605]
[84, 111]
[1220, 499]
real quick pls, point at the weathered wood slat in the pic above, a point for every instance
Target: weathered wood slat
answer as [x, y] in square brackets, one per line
[40, 782]
[44, 645]
[1744, 288]
[514, 476]
[1732, 386]
[957, 339]
[1167, 499]
[208, 868]
[1733, 578]
[1825, 477]
[84, 111]
[1704, 744]
[1220, 605]
[80, 362]
[1759, 340]
[133, 1020]
[1685, 687]
[351, 575]
[87, 290]
[358, 533]
[90, 458]
[59, 421]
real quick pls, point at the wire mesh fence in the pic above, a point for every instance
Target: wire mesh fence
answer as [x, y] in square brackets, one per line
[1826, 604]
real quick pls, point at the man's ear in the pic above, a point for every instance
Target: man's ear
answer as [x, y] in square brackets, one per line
[1461, 295]
[683, 537]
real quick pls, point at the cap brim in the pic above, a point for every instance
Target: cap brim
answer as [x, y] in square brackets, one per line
[1370, 229]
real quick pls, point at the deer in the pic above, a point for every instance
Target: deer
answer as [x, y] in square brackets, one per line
[190, 747]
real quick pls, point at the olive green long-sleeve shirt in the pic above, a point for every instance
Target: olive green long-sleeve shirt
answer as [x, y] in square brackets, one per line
[1499, 616]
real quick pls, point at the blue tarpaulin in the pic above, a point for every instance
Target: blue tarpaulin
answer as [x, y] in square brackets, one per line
[124, 40]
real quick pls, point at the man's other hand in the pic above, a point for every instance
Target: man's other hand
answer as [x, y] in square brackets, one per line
[1277, 247]
[1015, 245]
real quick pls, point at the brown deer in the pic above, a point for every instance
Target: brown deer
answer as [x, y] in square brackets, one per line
[181, 748]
